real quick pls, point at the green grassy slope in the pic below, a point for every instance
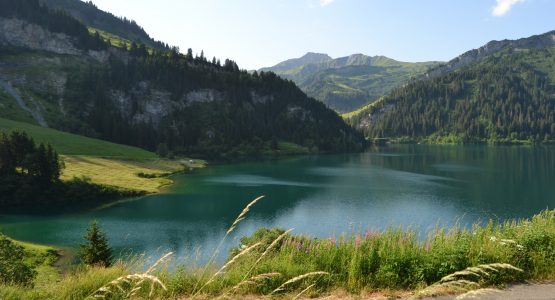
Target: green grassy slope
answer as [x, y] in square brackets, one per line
[10, 109]
[114, 40]
[348, 88]
[103, 162]
[71, 144]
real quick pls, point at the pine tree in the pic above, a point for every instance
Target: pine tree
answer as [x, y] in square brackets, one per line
[96, 251]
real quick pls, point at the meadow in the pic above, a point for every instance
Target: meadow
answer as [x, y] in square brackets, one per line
[106, 163]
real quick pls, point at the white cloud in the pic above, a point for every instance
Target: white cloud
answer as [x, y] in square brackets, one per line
[326, 2]
[504, 6]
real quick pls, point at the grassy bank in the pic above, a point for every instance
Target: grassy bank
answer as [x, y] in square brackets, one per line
[277, 263]
[104, 163]
[141, 175]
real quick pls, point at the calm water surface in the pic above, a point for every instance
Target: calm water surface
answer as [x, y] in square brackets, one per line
[417, 186]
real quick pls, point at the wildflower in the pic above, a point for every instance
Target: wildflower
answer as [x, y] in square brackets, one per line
[357, 241]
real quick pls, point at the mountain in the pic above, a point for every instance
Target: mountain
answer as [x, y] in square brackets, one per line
[292, 65]
[469, 57]
[348, 83]
[53, 72]
[502, 92]
[94, 18]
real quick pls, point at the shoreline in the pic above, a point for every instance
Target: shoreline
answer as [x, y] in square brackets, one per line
[133, 178]
[400, 265]
[456, 141]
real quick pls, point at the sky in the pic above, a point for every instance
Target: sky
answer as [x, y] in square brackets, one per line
[261, 33]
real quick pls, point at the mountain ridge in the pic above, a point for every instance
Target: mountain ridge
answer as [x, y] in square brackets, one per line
[492, 47]
[349, 82]
[502, 92]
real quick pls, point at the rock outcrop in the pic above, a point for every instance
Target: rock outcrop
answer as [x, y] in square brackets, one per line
[19, 33]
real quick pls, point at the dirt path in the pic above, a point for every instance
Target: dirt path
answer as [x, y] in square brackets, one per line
[544, 291]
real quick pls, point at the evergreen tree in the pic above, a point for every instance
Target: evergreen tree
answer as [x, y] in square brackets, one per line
[96, 251]
[189, 56]
[7, 165]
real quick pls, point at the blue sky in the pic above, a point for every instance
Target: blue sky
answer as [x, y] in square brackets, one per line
[259, 33]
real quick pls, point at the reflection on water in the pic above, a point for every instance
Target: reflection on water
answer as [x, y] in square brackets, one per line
[252, 180]
[414, 186]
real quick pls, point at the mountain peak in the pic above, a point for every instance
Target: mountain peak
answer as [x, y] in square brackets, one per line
[314, 57]
[307, 59]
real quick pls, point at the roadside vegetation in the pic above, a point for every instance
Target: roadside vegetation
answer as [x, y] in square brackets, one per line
[276, 263]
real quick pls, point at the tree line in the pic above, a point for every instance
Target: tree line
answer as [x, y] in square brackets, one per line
[20, 156]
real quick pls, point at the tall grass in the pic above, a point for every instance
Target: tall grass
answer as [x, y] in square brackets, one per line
[275, 262]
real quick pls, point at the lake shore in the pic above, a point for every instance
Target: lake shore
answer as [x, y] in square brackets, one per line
[143, 176]
[390, 263]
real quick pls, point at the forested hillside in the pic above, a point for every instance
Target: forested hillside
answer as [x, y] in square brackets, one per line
[348, 83]
[507, 96]
[87, 13]
[159, 99]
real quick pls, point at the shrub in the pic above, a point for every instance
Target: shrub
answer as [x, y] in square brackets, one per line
[13, 269]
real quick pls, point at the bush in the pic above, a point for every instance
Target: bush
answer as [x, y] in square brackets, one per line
[13, 270]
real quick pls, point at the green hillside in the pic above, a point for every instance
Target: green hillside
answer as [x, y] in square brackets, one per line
[153, 99]
[508, 96]
[71, 144]
[348, 83]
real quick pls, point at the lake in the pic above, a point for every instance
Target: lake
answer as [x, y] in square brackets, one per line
[415, 186]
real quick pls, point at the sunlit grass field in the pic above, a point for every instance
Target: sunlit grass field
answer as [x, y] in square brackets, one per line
[123, 173]
[103, 162]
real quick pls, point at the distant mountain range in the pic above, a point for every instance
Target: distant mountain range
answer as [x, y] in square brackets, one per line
[503, 92]
[347, 83]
